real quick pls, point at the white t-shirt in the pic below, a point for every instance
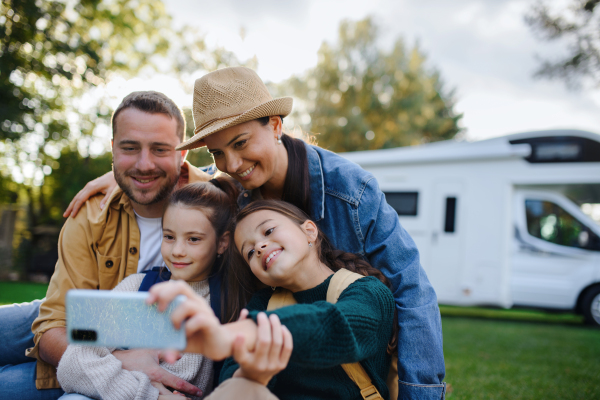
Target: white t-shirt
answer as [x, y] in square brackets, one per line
[150, 240]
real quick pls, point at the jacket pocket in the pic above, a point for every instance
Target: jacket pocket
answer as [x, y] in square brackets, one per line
[108, 271]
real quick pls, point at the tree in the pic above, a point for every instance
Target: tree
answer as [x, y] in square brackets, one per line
[51, 53]
[199, 156]
[577, 25]
[360, 97]
[55, 59]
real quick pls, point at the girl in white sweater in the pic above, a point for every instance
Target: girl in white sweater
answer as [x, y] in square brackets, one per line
[195, 236]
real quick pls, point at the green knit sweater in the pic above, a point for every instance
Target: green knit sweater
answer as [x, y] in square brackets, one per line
[357, 328]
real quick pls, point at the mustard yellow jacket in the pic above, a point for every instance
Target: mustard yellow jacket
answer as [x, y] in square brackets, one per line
[96, 250]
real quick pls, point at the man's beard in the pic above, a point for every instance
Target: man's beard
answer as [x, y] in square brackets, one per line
[163, 192]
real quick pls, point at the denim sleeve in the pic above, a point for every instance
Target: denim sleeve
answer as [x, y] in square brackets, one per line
[389, 248]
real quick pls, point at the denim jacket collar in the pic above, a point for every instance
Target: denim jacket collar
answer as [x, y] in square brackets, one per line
[317, 183]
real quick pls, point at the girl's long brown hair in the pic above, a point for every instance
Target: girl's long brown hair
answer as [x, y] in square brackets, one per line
[244, 283]
[217, 199]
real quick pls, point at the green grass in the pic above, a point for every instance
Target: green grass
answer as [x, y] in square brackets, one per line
[19, 292]
[512, 314]
[490, 353]
[492, 359]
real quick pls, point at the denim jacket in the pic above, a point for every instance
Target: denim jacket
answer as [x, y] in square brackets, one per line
[351, 210]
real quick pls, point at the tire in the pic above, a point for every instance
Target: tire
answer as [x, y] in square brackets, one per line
[590, 304]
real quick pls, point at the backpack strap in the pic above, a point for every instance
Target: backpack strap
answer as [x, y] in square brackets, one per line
[339, 282]
[280, 298]
[154, 275]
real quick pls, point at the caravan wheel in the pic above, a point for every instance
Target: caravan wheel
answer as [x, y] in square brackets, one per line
[591, 306]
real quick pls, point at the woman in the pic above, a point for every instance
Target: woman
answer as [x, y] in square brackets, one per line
[240, 124]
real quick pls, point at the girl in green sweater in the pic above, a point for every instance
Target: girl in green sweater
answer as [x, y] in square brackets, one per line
[284, 248]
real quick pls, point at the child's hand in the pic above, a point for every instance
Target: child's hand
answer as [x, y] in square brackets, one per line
[273, 349]
[166, 394]
[205, 334]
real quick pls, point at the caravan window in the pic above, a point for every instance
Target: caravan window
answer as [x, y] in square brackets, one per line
[405, 203]
[550, 222]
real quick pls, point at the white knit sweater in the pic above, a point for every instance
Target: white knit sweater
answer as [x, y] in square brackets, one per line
[96, 373]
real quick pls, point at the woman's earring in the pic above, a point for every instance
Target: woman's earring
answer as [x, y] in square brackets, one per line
[279, 139]
[273, 287]
[219, 255]
[309, 244]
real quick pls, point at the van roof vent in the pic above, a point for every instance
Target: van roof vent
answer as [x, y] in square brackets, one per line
[561, 149]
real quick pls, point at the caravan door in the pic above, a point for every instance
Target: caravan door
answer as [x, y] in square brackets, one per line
[557, 250]
[445, 256]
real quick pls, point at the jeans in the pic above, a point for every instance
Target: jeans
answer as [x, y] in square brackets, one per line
[17, 371]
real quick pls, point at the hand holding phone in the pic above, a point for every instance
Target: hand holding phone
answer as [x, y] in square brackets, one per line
[206, 335]
[121, 320]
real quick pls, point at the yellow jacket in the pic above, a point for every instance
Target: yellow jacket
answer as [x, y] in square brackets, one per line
[96, 250]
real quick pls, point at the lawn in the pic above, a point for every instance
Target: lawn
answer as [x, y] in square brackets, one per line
[499, 359]
[19, 292]
[490, 353]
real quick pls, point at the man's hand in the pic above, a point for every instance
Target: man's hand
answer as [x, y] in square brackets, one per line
[53, 344]
[146, 361]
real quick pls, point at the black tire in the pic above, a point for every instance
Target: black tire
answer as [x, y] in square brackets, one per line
[590, 305]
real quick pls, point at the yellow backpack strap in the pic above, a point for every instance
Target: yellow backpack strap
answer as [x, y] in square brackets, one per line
[339, 282]
[280, 298]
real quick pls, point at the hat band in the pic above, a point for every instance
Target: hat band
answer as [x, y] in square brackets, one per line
[212, 121]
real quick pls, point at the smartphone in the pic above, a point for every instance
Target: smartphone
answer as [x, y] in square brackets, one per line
[122, 320]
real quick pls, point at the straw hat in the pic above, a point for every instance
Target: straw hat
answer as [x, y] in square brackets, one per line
[228, 97]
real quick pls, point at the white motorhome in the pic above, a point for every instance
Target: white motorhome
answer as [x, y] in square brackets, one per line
[500, 221]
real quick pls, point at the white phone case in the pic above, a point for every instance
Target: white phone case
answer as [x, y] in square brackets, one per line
[120, 319]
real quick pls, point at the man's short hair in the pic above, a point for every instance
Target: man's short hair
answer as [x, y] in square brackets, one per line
[152, 103]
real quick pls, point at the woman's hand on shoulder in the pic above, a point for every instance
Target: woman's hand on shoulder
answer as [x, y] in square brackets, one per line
[271, 352]
[104, 184]
[205, 334]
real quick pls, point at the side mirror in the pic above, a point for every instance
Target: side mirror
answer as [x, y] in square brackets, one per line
[583, 239]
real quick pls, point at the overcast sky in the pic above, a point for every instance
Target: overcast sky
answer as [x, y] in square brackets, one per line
[483, 50]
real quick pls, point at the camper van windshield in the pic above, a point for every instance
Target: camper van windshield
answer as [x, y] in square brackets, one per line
[550, 222]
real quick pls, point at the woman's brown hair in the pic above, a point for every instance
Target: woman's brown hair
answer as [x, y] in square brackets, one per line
[296, 189]
[328, 255]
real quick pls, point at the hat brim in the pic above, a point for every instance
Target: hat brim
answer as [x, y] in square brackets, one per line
[281, 106]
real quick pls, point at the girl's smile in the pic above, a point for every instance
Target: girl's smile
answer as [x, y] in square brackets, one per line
[271, 258]
[189, 245]
[277, 250]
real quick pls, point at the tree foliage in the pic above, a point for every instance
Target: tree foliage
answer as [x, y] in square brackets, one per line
[56, 60]
[199, 156]
[579, 26]
[51, 53]
[56, 56]
[360, 97]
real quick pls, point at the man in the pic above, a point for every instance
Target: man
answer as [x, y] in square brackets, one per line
[98, 248]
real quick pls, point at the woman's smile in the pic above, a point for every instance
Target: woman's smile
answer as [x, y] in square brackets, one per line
[246, 173]
[249, 153]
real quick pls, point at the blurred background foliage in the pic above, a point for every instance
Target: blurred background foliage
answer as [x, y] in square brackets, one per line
[58, 57]
[576, 23]
[361, 97]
